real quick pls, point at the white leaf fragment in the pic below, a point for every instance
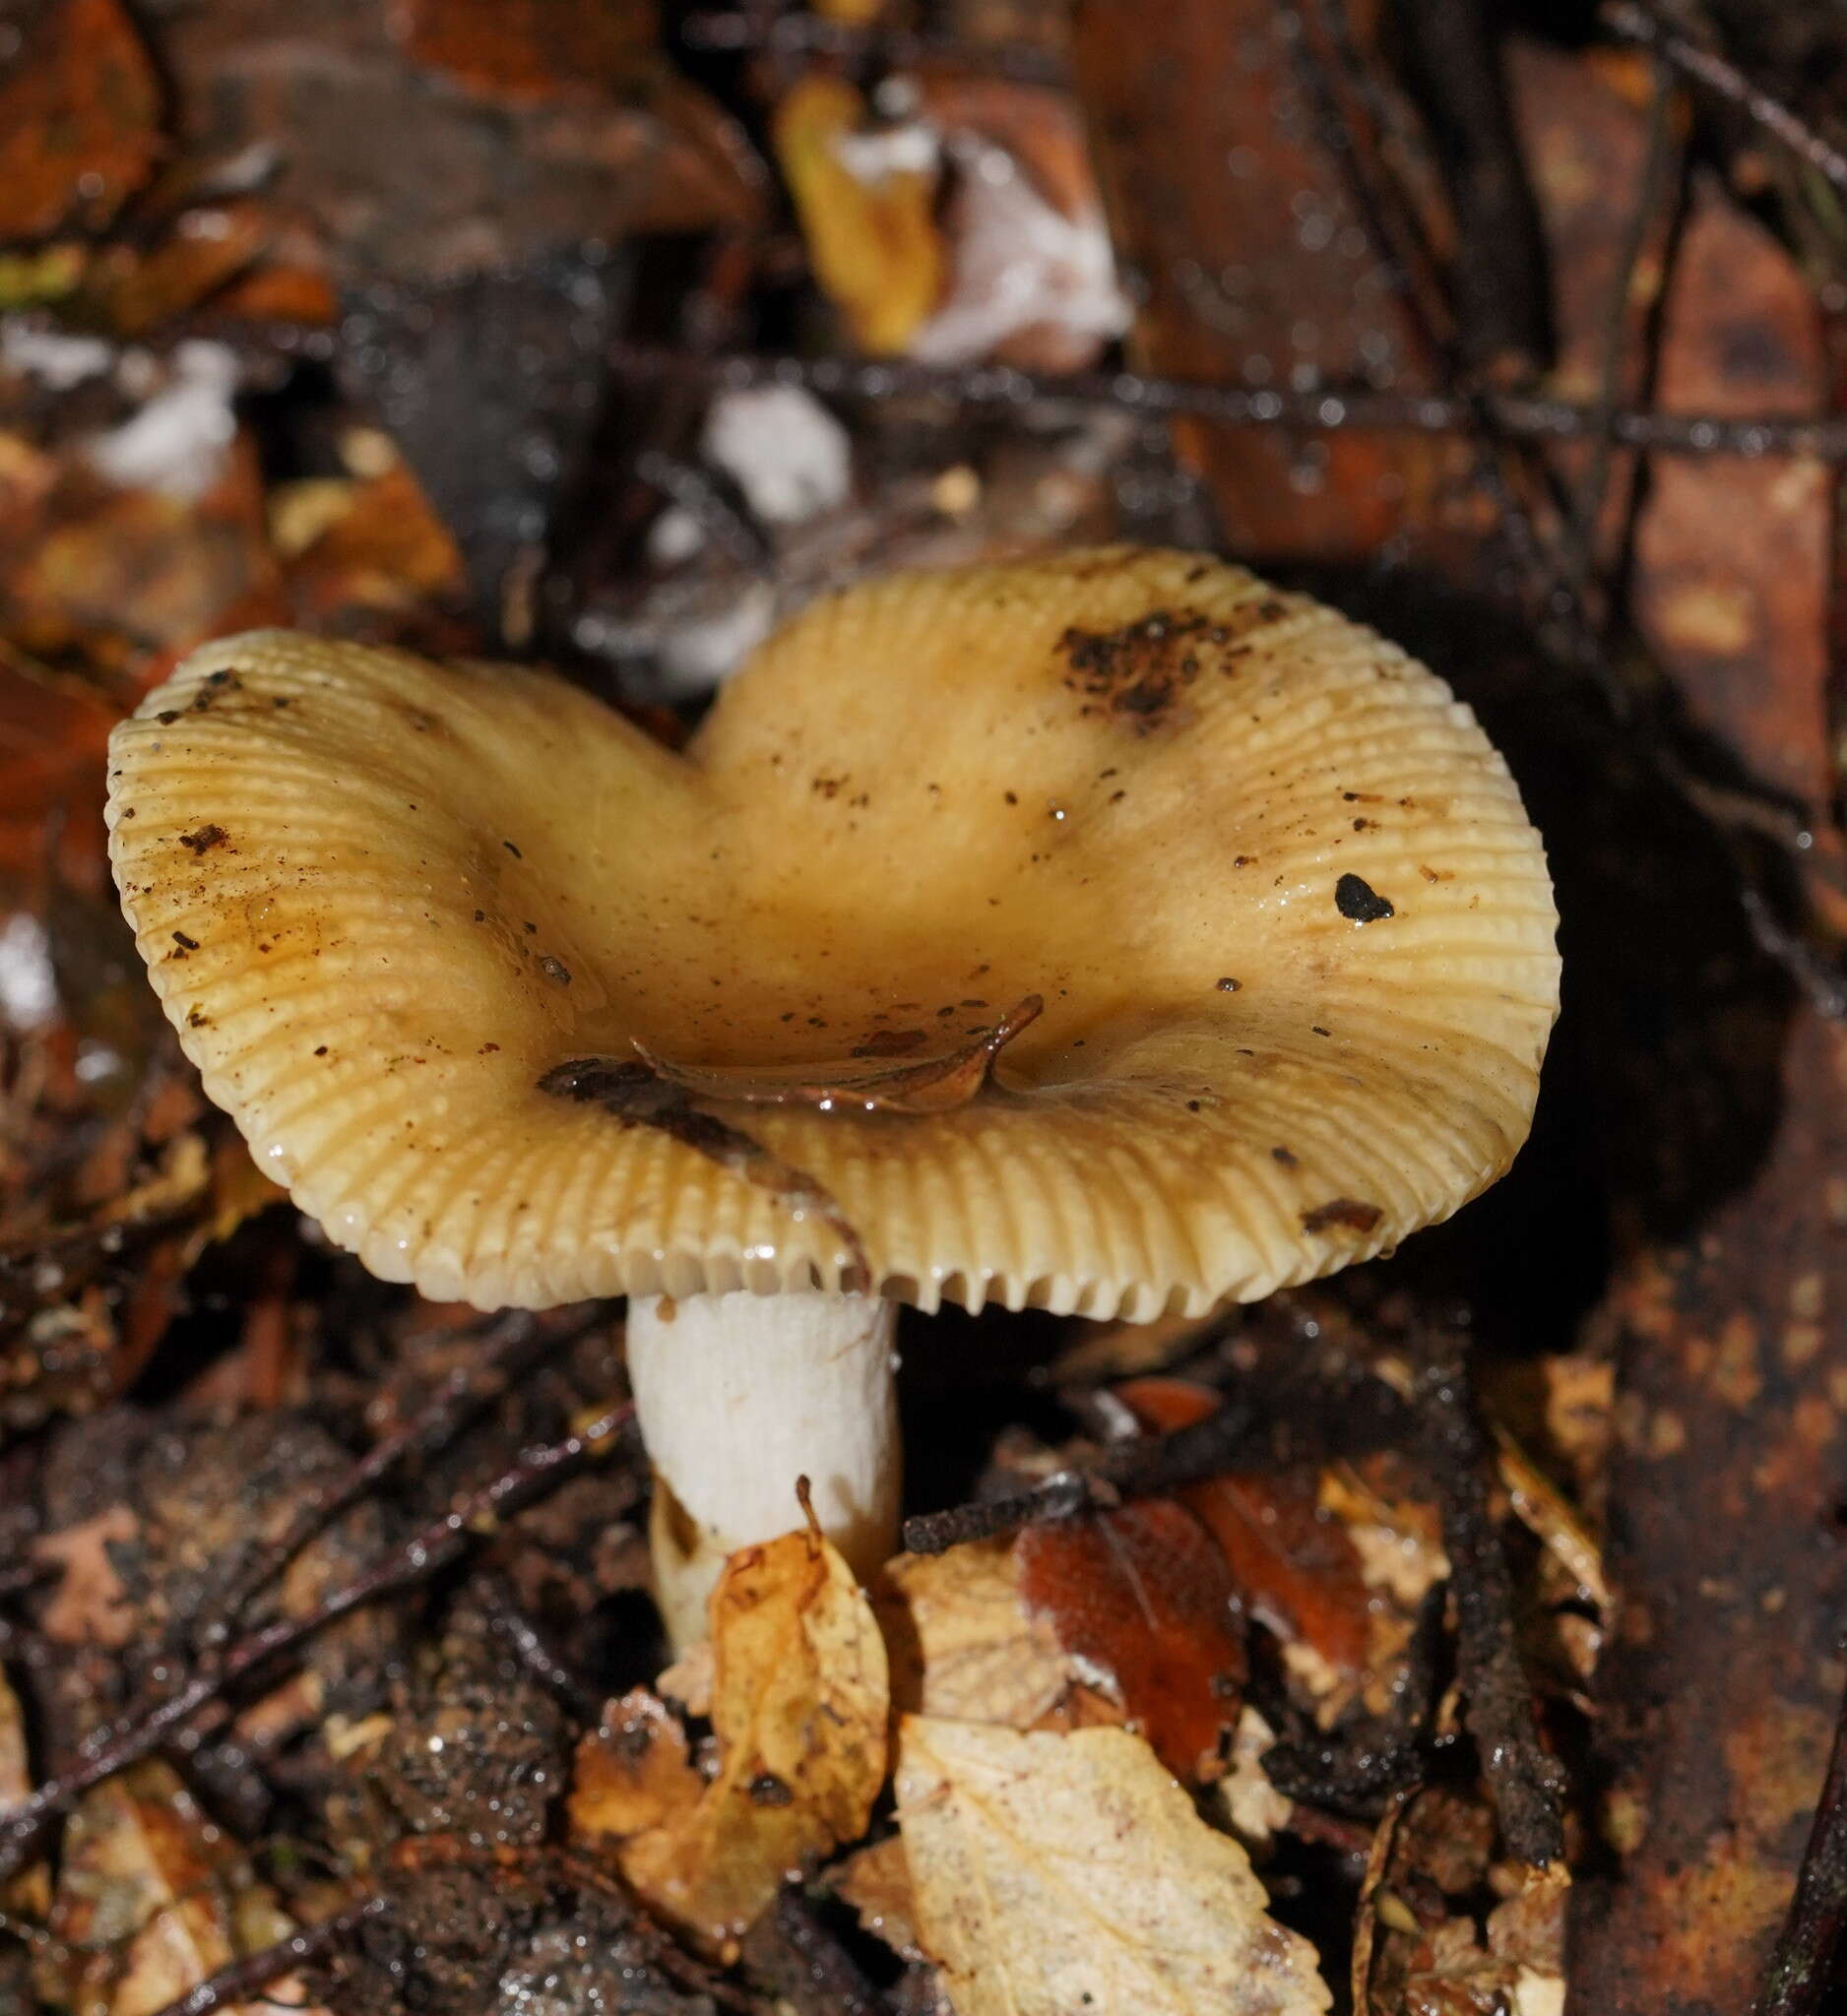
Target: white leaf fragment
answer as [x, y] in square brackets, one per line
[791, 456]
[1054, 1874]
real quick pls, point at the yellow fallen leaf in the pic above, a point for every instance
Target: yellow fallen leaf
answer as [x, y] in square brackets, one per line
[871, 236]
[30, 1892]
[633, 1773]
[1059, 1872]
[801, 1699]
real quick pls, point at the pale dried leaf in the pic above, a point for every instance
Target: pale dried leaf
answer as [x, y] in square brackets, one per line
[963, 1644]
[877, 1882]
[800, 1700]
[151, 1899]
[1061, 1872]
[89, 1606]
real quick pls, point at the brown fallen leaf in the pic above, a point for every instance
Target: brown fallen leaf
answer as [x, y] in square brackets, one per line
[1053, 1874]
[1296, 1564]
[79, 120]
[1143, 1596]
[800, 1697]
[873, 242]
[634, 1773]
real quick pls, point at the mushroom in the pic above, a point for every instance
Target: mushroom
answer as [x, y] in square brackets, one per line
[1108, 933]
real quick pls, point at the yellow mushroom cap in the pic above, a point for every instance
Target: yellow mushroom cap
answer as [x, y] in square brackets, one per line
[524, 1007]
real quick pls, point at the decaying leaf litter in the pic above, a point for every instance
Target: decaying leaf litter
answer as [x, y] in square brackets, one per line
[589, 338]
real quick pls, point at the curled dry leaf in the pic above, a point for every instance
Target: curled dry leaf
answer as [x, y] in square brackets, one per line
[800, 1698]
[1051, 1873]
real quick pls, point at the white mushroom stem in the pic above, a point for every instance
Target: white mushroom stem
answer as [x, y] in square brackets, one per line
[738, 1396]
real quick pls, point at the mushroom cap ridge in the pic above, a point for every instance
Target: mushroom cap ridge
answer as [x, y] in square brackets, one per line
[1291, 927]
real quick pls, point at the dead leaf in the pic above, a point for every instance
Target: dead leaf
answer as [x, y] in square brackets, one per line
[1053, 1874]
[1144, 1597]
[78, 121]
[89, 1606]
[523, 51]
[30, 1892]
[800, 1698]
[633, 1773]
[1298, 1568]
[964, 1643]
[872, 238]
[877, 1882]
[151, 1899]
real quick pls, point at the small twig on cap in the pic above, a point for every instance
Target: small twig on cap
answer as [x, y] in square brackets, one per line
[118, 1744]
[243, 1980]
[1801, 1968]
[1636, 23]
[1523, 1776]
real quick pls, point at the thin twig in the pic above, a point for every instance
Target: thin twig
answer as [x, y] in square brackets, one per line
[1500, 297]
[1524, 1778]
[467, 1392]
[243, 1980]
[1329, 409]
[1337, 1413]
[738, 30]
[118, 1744]
[1636, 23]
[1801, 1967]
[533, 1650]
[1619, 306]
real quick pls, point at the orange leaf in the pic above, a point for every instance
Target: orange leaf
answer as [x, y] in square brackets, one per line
[77, 121]
[1144, 1594]
[1294, 1562]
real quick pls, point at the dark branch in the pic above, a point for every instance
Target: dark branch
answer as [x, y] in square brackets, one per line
[1524, 1778]
[1329, 409]
[509, 1349]
[1338, 1412]
[1636, 23]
